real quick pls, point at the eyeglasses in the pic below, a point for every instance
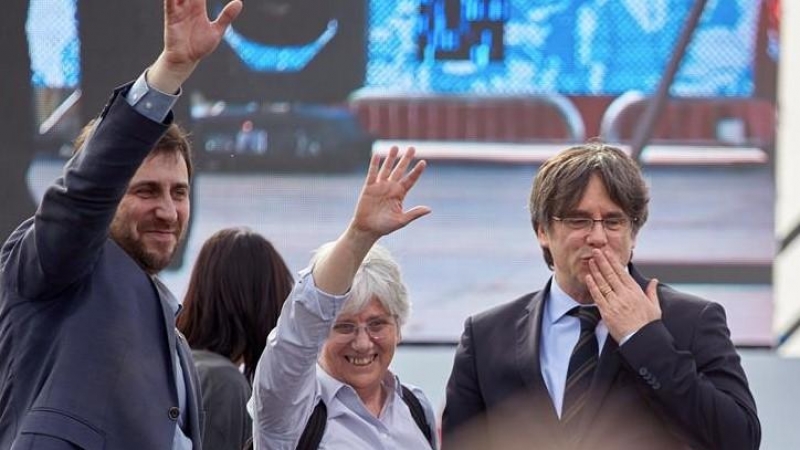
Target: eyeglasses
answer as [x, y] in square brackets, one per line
[377, 329]
[586, 223]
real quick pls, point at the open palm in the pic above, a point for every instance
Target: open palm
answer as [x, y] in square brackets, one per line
[189, 35]
[380, 207]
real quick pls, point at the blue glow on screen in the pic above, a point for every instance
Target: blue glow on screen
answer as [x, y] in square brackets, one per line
[52, 30]
[269, 58]
[581, 47]
[578, 47]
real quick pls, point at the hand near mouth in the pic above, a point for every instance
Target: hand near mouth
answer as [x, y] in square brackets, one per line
[624, 306]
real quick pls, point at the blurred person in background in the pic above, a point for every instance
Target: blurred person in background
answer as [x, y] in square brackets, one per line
[236, 290]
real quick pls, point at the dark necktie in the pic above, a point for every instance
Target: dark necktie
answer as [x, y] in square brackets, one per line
[582, 364]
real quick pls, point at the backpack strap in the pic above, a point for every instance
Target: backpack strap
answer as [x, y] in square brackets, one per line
[315, 427]
[417, 413]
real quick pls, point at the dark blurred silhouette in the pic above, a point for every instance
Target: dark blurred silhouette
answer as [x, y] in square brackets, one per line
[17, 127]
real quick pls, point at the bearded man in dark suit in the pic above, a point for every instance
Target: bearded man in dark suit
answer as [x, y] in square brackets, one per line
[89, 355]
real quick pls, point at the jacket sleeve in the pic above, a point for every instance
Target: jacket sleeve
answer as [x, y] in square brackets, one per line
[464, 402]
[697, 386]
[285, 386]
[68, 231]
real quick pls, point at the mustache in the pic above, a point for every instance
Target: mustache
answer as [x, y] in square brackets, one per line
[161, 225]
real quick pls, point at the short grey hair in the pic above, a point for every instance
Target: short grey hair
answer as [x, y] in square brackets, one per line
[378, 277]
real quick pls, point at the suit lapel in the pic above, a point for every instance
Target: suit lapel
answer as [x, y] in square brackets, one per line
[528, 330]
[169, 324]
[194, 400]
[178, 343]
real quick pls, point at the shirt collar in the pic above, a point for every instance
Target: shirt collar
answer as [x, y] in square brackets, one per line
[558, 303]
[329, 387]
[165, 295]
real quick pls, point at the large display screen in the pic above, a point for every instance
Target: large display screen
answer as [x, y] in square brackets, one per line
[477, 248]
[580, 47]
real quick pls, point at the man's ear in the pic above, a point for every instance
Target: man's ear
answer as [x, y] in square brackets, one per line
[542, 236]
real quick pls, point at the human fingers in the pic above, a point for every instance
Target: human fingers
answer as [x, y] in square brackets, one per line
[228, 14]
[599, 278]
[388, 163]
[415, 213]
[372, 172]
[652, 292]
[410, 179]
[596, 292]
[399, 170]
[611, 268]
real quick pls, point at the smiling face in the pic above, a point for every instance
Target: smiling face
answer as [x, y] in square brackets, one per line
[361, 359]
[572, 249]
[151, 218]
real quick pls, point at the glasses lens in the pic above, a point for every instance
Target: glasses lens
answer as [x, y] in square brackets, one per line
[585, 223]
[615, 223]
[345, 328]
[376, 328]
[577, 223]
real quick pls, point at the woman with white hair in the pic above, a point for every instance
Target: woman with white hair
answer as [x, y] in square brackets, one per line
[323, 380]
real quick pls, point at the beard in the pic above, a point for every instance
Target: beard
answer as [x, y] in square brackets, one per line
[151, 260]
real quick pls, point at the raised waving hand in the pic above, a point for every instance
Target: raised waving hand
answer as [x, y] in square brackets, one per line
[379, 211]
[189, 36]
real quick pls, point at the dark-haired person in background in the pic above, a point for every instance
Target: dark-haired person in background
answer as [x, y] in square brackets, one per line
[89, 357]
[237, 288]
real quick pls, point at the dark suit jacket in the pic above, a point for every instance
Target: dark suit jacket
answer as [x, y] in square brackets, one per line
[677, 383]
[86, 344]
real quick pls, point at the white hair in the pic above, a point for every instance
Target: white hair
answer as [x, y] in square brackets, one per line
[378, 277]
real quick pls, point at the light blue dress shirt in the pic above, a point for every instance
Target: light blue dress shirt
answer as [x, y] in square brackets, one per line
[150, 102]
[180, 441]
[289, 383]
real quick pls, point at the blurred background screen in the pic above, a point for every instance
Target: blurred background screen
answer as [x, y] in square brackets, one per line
[285, 114]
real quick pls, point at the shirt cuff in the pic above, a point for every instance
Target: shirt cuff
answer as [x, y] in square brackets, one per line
[327, 304]
[627, 337]
[149, 101]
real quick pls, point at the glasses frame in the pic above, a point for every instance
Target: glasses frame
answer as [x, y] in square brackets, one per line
[386, 323]
[587, 223]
